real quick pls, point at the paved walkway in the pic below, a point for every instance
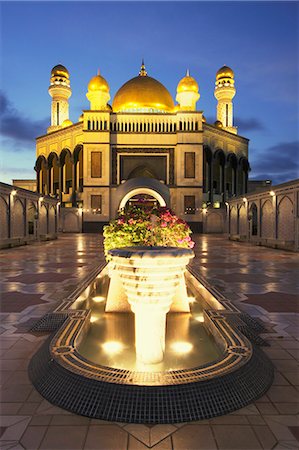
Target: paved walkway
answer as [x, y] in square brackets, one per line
[260, 281]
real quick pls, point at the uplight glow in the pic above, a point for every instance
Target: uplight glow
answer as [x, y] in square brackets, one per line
[181, 347]
[112, 347]
[199, 318]
[99, 299]
[191, 299]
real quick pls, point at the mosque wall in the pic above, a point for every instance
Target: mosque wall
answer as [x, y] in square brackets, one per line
[26, 216]
[268, 217]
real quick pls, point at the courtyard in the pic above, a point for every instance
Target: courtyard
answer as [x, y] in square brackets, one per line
[260, 281]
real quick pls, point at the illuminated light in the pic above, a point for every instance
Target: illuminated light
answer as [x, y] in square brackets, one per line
[98, 299]
[113, 347]
[80, 210]
[226, 203]
[204, 210]
[272, 193]
[41, 199]
[244, 199]
[216, 205]
[191, 299]
[181, 347]
[14, 192]
[93, 319]
[58, 204]
[199, 318]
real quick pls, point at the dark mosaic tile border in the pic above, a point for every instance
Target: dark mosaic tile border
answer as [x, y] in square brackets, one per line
[65, 379]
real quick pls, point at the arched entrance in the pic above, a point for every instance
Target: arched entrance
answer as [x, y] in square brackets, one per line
[142, 190]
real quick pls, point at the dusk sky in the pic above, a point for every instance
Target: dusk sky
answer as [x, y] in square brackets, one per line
[258, 40]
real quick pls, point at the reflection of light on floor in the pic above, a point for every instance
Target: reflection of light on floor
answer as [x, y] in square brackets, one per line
[182, 347]
[112, 347]
[199, 318]
[94, 319]
[98, 299]
[191, 299]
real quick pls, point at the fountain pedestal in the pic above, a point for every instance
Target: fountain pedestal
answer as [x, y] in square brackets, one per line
[150, 277]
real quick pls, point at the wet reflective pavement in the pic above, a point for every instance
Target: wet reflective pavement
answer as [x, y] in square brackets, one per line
[261, 281]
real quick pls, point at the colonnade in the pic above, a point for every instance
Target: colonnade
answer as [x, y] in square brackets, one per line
[224, 175]
[61, 174]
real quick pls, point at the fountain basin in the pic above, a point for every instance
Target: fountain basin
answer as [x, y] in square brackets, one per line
[67, 377]
[150, 277]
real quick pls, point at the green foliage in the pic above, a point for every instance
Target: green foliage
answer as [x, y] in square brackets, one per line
[146, 226]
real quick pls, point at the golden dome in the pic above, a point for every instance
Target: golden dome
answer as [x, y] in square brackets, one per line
[218, 124]
[225, 72]
[143, 93]
[60, 71]
[98, 83]
[66, 123]
[188, 84]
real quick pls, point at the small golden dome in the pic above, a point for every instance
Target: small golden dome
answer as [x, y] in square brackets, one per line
[143, 93]
[98, 83]
[225, 72]
[187, 84]
[60, 71]
[218, 124]
[204, 118]
[66, 123]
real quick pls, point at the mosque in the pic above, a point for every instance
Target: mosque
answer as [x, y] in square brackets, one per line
[141, 147]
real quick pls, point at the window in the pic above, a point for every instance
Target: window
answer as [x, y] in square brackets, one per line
[96, 164]
[96, 204]
[189, 204]
[189, 165]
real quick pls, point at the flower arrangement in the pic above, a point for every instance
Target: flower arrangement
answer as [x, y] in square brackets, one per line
[147, 226]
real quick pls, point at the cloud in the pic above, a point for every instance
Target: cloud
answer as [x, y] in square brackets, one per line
[16, 126]
[250, 124]
[278, 163]
[244, 125]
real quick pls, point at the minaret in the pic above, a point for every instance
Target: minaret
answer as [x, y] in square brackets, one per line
[60, 92]
[224, 93]
[98, 93]
[187, 93]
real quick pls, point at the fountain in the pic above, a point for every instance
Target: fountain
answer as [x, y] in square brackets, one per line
[151, 277]
[144, 339]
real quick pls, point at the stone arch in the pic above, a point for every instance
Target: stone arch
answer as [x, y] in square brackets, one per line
[231, 174]
[207, 169]
[142, 171]
[18, 217]
[43, 220]
[242, 175]
[285, 216]
[66, 162]
[215, 223]
[41, 167]
[52, 219]
[233, 220]
[4, 211]
[71, 221]
[267, 220]
[218, 171]
[54, 172]
[253, 216]
[79, 169]
[31, 216]
[139, 186]
[243, 224]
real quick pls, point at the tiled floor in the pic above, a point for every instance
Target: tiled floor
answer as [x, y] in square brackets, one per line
[260, 281]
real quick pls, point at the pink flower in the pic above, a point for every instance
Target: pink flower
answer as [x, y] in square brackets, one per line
[120, 221]
[131, 221]
[191, 244]
[163, 224]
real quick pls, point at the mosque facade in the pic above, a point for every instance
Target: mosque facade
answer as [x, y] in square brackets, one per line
[141, 147]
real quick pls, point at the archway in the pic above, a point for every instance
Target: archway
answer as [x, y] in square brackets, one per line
[149, 193]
